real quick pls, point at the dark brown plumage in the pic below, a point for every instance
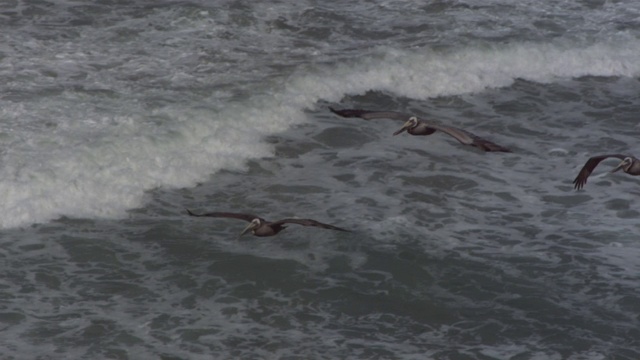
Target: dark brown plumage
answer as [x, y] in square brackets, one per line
[629, 165]
[260, 227]
[415, 126]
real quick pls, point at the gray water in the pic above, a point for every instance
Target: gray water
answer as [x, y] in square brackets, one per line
[116, 116]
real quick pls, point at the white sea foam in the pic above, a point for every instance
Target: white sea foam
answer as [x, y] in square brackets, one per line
[453, 253]
[424, 73]
[64, 159]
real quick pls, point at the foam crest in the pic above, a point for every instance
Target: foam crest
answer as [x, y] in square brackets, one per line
[88, 164]
[72, 172]
[424, 73]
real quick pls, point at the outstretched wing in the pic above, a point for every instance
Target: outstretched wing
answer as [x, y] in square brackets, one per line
[588, 167]
[308, 222]
[463, 136]
[245, 217]
[467, 138]
[371, 115]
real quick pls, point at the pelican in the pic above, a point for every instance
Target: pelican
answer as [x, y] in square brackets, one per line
[261, 227]
[415, 126]
[629, 164]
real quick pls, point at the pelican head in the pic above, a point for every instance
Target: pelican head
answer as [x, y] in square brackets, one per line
[624, 165]
[410, 124]
[253, 225]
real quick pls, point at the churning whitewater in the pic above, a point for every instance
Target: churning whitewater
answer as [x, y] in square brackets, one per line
[118, 116]
[85, 164]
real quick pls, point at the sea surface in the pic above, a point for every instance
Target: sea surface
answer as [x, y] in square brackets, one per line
[117, 116]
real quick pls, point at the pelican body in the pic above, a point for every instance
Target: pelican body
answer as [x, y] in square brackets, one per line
[629, 165]
[263, 228]
[416, 126]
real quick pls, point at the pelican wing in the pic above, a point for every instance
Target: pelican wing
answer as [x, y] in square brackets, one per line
[308, 222]
[245, 217]
[463, 136]
[370, 115]
[588, 167]
[467, 138]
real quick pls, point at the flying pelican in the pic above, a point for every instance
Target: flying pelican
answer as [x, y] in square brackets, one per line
[416, 126]
[629, 164]
[261, 227]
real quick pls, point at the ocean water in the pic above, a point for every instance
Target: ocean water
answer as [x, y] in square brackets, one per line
[116, 116]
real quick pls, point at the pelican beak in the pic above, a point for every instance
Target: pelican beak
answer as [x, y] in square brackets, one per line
[403, 128]
[249, 227]
[622, 163]
[252, 226]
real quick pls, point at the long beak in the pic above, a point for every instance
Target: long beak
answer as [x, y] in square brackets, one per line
[618, 167]
[403, 128]
[247, 229]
